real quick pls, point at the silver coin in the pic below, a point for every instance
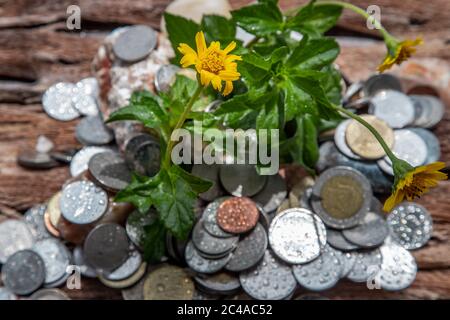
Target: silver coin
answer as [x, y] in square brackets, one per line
[209, 244]
[305, 200]
[146, 158]
[57, 102]
[127, 269]
[348, 260]
[49, 294]
[6, 294]
[336, 239]
[411, 225]
[135, 43]
[339, 140]
[81, 159]
[293, 236]
[352, 90]
[432, 143]
[429, 110]
[241, 180]
[165, 77]
[320, 274]
[56, 258]
[370, 233]
[15, 235]
[316, 200]
[58, 283]
[249, 251]
[394, 107]
[110, 171]
[89, 86]
[220, 283]
[331, 157]
[23, 272]
[199, 264]
[136, 292]
[78, 259]
[34, 218]
[84, 104]
[271, 279]
[409, 147]
[82, 202]
[273, 194]
[209, 219]
[136, 222]
[106, 247]
[92, 131]
[398, 269]
[211, 173]
[36, 160]
[367, 264]
[380, 82]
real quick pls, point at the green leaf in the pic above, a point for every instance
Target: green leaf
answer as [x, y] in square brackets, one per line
[180, 30]
[314, 20]
[154, 241]
[331, 84]
[130, 194]
[259, 19]
[252, 74]
[218, 28]
[313, 54]
[257, 61]
[197, 184]
[268, 117]
[304, 147]
[279, 54]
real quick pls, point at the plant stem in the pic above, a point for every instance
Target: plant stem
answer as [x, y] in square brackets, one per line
[181, 121]
[371, 129]
[359, 11]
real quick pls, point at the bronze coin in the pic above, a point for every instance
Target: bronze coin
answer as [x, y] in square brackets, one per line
[49, 226]
[237, 215]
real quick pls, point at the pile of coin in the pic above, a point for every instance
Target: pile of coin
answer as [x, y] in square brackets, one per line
[402, 120]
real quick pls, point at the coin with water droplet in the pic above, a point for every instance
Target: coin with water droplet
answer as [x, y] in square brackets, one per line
[394, 107]
[82, 202]
[348, 260]
[210, 219]
[128, 282]
[249, 251]
[79, 260]
[241, 179]
[15, 235]
[106, 247]
[398, 269]
[320, 274]
[85, 104]
[273, 193]
[380, 82]
[341, 197]
[200, 264]
[222, 283]
[136, 292]
[110, 171]
[49, 294]
[127, 269]
[136, 222]
[168, 282]
[294, 235]
[135, 43]
[336, 239]
[209, 244]
[81, 159]
[57, 102]
[34, 218]
[88, 86]
[367, 264]
[165, 77]
[142, 154]
[411, 225]
[370, 233]
[211, 173]
[23, 272]
[92, 131]
[271, 279]
[56, 258]
[237, 215]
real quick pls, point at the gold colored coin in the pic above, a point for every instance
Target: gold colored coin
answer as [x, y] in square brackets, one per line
[53, 209]
[168, 283]
[342, 197]
[362, 141]
[128, 282]
[283, 206]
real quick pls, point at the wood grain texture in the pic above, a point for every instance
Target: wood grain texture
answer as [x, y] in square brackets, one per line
[36, 50]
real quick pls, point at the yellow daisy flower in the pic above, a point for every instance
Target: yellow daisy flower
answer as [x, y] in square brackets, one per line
[414, 183]
[398, 52]
[213, 64]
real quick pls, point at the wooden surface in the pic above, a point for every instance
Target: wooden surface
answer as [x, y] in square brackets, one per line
[36, 50]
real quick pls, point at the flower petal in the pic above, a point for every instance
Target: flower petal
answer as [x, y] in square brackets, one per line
[228, 88]
[229, 75]
[393, 200]
[206, 77]
[200, 42]
[217, 83]
[230, 47]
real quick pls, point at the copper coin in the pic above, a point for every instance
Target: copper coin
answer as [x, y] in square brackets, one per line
[48, 225]
[237, 215]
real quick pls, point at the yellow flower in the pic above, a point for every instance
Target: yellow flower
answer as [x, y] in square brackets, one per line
[414, 183]
[212, 63]
[398, 52]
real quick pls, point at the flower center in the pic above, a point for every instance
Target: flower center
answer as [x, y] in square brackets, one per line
[213, 62]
